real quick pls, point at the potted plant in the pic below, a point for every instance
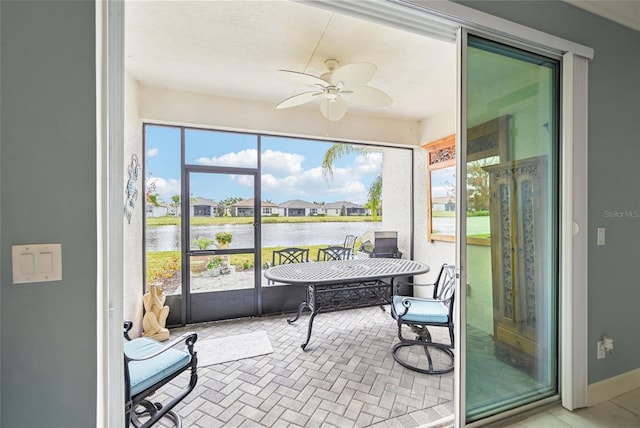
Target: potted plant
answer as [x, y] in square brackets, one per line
[223, 239]
[213, 266]
[202, 242]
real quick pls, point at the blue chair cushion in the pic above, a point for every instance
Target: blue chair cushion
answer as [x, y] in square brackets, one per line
[421, 310]
[146, 373]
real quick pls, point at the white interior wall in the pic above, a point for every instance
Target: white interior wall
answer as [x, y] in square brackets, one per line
[438, 126]
[396, 196]
[132, 239]
[168, 106]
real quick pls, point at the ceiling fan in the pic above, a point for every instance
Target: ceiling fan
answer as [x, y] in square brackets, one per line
[336, 88]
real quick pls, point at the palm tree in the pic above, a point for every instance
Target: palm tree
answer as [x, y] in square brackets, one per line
[375, 197]
[153, 199]
[335, 152]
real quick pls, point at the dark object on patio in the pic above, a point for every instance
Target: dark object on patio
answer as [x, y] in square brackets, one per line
[149, 365]
[420, 314]
[333, 253]
[290, 255]
[381, 244]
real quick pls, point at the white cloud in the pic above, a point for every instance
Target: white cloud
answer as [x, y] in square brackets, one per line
[152, 153]
[166, 188]
[276, 162]
[243, 180]
[243, 159]
[368, 163]
[310, 185]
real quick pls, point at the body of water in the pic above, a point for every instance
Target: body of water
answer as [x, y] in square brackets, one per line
[167, 238]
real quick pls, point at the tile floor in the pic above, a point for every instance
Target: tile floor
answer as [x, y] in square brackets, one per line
[620, 412]
[346, 378]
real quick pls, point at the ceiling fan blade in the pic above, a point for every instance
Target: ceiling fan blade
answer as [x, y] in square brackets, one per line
[370, 97]
[298, 99]
[354, 75]
[333, 110]
[303, 78]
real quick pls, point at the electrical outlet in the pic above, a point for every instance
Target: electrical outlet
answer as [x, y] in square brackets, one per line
[602, 352]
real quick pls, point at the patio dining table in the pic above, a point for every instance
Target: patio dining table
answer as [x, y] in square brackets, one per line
[344, 284]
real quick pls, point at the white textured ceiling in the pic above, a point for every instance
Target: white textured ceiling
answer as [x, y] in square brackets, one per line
[234, 49]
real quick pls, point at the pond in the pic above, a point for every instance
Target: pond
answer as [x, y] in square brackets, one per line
[167, 238]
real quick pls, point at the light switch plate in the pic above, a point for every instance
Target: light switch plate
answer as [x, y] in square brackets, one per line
[36, 263]
[601, 236]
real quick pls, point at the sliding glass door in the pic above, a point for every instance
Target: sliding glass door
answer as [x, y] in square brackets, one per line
[508, 169]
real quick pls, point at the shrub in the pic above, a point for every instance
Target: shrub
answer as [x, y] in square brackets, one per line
[224, 238]
[202, 242]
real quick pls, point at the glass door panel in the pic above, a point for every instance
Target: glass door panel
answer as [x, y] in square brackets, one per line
[221, 236]
[511, 258]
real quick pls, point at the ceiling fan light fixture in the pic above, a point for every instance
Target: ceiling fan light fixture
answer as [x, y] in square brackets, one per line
[350, 80]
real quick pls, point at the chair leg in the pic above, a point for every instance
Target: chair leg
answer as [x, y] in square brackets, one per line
[423, 339]
[151, 409]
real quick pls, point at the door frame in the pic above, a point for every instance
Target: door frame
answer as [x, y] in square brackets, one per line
[569, 386]
[109, 24]
[227, 296]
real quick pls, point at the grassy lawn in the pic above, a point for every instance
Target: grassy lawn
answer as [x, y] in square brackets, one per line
[204, 221]
[165, 260]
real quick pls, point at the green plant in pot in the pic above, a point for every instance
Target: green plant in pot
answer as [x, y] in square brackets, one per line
[202, 242]
[213, 265]
[224, 239]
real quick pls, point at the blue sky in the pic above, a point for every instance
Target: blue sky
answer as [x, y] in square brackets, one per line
[291, 168]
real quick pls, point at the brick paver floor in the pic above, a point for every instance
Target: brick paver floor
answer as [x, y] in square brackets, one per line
[346, 377]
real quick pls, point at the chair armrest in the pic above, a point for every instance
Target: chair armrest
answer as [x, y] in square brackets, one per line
[406, 301]
[412, 284]
[127, 327]
[189, 339]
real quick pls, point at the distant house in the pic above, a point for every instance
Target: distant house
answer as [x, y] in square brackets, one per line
[246, 208]
[344, 208]
[157, 210]
[443, 203]
[300, 208]
[202, 207]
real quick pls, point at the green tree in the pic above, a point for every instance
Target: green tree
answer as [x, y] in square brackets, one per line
[152, 198]
[478, 192]
[375, 197]
[335, 152]
[175, 203]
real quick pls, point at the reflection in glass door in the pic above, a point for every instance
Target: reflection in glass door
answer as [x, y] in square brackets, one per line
[511, 170]
[220, 237]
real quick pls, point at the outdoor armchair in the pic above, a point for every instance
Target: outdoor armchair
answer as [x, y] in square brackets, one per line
[290, 255]
[333, 253]
[422, 314]
[149, 365]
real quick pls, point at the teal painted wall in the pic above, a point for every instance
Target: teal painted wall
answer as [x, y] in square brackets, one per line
[48, 184]
[614, 153]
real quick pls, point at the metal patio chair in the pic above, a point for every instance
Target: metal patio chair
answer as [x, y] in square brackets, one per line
[149, 365]
[289, 255]
[420, 315]
[333, 253]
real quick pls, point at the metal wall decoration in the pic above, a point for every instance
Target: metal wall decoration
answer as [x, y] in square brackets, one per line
[131, 191]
